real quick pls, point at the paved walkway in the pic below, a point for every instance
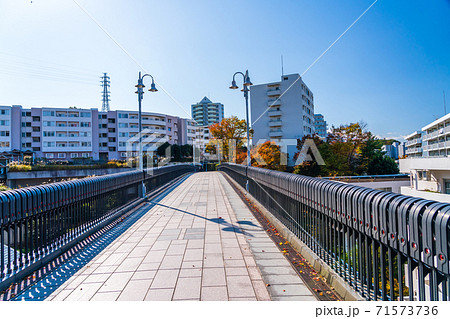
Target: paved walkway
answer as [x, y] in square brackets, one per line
[200, 242]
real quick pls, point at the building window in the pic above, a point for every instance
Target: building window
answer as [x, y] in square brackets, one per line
[48, 113]
[85, 155]
[73, 155]
[61, 155]
[447, 186]
[48, 133]
[123, 116]
[49, 155]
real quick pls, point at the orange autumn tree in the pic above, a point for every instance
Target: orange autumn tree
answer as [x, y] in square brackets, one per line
[270, 153]
[226, 132]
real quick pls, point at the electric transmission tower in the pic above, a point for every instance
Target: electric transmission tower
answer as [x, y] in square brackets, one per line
[105, 83]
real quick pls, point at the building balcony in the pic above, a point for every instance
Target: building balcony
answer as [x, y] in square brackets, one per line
[413, 142]
[277, 133]
[273, 123]
[276, 102]
[273, 93]
[414, 150]
[274, 112]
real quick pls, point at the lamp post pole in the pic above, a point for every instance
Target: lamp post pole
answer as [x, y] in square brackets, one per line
[245, 89]
[140, 92]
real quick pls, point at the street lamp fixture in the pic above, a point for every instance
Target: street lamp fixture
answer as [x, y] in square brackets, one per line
[140, 92]
[247, 83]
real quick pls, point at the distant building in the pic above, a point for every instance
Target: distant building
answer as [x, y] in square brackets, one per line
[320, 125]
[392, 150]
[282, 110]
[414, 144]
[436, 137]
[428, 161]
[206, 113]
[70, 133]
[402, 150]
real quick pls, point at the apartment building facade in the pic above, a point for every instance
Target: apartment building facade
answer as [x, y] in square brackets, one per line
[413, 144]
[428, 161]
[206, 112]
[320, 125]
[70, 133]
[282, 111]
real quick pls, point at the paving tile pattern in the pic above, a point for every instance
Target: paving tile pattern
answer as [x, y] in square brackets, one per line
[200, 242]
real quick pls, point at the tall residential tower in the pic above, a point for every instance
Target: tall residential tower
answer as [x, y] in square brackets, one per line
[282, 111]
[206, 112]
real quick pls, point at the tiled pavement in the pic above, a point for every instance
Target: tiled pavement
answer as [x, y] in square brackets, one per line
[200, 242]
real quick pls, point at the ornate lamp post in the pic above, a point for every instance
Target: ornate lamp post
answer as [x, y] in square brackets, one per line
[140, 92]
[246, 84]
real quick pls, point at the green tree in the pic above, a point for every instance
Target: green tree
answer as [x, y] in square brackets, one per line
[348, 150]
[161, 150]
[381, 164]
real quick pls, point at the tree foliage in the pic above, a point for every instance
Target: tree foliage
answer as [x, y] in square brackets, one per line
[229, 129]
[270, 154]
[348, 150]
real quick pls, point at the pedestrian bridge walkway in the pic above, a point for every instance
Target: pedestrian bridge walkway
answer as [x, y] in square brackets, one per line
[199, 242]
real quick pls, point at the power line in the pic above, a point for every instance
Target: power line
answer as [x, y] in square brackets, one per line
[132, 58]
[316, 60]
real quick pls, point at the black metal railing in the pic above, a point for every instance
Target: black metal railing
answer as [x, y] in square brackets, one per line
[387, 246]
[37, 221]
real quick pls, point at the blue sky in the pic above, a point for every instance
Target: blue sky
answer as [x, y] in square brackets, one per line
[389, 70]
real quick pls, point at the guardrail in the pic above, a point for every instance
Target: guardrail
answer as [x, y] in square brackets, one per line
[35, 222]
[386, 246]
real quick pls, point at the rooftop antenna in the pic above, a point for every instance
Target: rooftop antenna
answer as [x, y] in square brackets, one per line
[282, 67]
[105, 83]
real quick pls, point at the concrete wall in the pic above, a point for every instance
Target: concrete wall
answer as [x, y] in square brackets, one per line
[23, 179]
[444, 198]
[395, 186]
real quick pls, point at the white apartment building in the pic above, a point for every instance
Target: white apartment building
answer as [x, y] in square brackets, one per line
[428, 161]
[282, 111]
[414, 144]
[436, 137]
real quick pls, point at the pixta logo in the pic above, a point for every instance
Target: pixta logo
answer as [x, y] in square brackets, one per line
[150, 142]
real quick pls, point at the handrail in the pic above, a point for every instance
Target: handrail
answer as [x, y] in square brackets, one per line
[386, 246]
[37, 221]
